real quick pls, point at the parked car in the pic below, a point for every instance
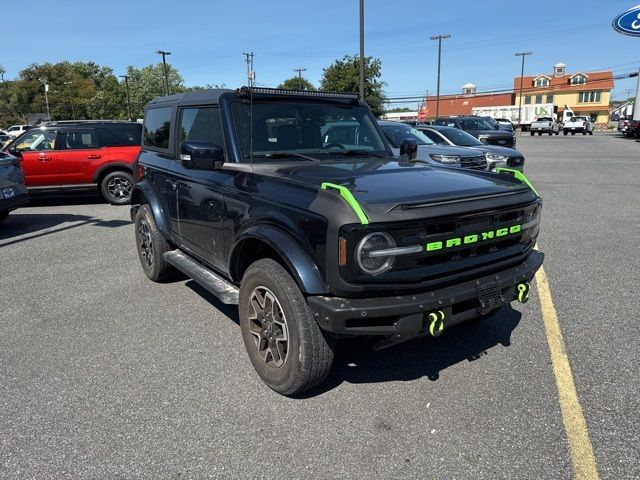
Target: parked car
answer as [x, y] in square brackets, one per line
[480, 128]
[315, 240]
[495, 155]
[428, 150]
[15, 130]
[545, 125]
[13, 193]
[577, 124]
[633, 129]
[72, 156]
[505, 124]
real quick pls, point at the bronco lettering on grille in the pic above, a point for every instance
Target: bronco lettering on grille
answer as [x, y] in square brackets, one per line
[471, 239]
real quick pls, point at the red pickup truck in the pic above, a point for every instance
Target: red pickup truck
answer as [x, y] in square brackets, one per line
[80, 156]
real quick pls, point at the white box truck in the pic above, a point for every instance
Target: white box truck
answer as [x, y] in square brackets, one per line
[510, 112]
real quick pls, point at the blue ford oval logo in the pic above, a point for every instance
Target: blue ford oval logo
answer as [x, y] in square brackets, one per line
[628, 22]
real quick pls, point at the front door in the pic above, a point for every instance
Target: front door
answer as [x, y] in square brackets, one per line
[200, 193]
[39, 158]
[78, 154]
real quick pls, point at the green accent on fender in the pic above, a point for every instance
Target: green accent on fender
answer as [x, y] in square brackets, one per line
[523, 292]
[349, 198]
[519, 176]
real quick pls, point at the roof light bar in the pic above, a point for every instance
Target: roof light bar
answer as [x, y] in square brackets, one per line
[246, 91]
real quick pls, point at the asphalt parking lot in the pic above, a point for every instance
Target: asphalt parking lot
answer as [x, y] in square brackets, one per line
[107, 375]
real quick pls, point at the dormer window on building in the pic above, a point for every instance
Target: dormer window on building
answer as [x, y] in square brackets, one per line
[578, 79]
[541, 81]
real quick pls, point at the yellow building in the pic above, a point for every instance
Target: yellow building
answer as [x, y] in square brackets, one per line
[585, 93]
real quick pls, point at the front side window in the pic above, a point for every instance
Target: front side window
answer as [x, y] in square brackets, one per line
[435, 137]
[200, 124]
[270, 130]
[157, 126]
[77, 140]
[37, 141]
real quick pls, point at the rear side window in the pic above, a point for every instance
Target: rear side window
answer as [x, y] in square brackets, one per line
[157, 125]
[121, 136]
[77, 140]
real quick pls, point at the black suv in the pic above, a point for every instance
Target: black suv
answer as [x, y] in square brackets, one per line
[481, 128]
[315, 234]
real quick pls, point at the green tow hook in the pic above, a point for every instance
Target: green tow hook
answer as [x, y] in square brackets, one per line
[523, 292]
[436, 323]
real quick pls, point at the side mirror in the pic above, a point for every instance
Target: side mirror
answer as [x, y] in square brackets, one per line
[201, 155]
[14, 151]
[409, 147]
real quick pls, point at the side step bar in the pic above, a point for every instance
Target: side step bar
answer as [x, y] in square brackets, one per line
[221, 288]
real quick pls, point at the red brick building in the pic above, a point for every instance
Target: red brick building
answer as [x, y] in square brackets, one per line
[461, 104]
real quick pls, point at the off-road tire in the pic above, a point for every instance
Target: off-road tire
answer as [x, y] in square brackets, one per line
[116, 187]
[533, 133]
[309, 353]
[157, 269]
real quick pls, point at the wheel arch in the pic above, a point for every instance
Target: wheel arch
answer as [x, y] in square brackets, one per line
[111, 167]
[143, 194]
[272, 242]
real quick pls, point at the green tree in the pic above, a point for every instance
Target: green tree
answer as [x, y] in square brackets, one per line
[344, 76]
[295, 83]
[399, 110]
[148, 82]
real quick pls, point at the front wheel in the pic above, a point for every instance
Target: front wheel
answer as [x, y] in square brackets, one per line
[286, 346]
[565, 132]
[591, 132]
[116, 187]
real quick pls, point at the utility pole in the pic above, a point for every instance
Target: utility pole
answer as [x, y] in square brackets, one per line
[73, 111]
[636, 105]
[251, 74]
[521, 54]
[166, 73]
[45, 82]
[627, 94]
[439, 38]
[126, 82]
[299, 70]
[361, 49]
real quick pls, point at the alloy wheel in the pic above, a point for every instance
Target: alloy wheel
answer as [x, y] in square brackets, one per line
[119, 188]
[268, 326]
[146, 243]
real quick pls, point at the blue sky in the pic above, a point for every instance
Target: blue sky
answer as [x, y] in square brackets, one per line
[207, 38]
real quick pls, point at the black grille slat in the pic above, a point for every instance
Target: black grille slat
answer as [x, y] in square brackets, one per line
[476, 163]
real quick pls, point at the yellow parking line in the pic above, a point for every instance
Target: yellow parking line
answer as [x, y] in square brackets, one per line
[582, 458]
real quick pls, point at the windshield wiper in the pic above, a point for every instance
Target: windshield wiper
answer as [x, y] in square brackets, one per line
[357, 152]
[276, 155]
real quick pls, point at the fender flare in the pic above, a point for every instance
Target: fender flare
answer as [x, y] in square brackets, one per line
[145, 190]
[304, 269]
[117, 165]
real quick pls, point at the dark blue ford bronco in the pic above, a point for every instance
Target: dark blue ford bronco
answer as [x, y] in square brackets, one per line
[292, 206]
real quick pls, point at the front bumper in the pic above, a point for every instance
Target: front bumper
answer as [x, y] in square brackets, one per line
[8, 204]
[404, 317]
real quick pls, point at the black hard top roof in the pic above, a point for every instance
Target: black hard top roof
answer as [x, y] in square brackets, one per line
[197, 96]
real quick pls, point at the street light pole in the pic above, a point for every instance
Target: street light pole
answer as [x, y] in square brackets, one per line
[299, 70]
[166, 73]
[362, 49]
[439, 38]
[45, 82]
[73, 111]
[126, 83]
[521, 54]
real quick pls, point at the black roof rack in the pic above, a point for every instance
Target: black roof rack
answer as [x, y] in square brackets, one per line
[247, 91]
[82, 122]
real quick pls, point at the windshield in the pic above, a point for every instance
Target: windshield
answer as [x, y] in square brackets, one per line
[283, 130]
[396, 133]
[476, 124]
[460, 138]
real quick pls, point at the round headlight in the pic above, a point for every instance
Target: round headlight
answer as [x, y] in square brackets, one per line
[375, 264]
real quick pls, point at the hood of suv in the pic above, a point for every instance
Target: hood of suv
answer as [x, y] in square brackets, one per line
[490, 133]
[388, 188]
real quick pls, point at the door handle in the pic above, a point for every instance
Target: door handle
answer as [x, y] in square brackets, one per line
[94, 156]
[44, 158]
